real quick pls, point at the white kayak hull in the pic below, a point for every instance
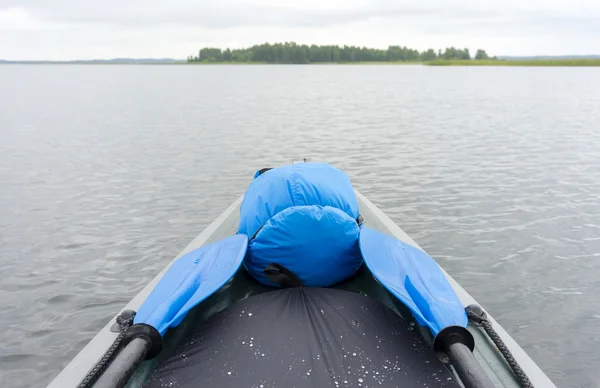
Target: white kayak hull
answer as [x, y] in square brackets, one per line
[226, 225]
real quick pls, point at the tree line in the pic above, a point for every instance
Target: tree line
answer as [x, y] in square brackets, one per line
[291, 52]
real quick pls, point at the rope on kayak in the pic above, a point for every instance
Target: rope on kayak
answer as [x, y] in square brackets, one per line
[479, 317]
[124, 320]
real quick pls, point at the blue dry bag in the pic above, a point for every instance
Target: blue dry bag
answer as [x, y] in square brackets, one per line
[302, 217]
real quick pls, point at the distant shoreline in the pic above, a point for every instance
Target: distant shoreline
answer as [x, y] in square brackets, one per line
[516, 62]
[439, 62]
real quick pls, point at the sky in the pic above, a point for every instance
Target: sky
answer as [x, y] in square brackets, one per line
[103, 29]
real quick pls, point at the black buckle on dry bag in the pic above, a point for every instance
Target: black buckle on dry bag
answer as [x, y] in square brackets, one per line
[263, 170]
[282, 276]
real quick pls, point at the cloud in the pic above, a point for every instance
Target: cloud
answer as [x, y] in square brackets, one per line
[62, 29]
[232, 13]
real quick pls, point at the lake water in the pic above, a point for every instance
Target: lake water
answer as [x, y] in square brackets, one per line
[107, 172]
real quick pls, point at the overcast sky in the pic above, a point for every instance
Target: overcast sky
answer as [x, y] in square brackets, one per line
[86, 29]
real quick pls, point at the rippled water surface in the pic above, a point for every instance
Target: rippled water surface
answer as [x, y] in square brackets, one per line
[106, 172]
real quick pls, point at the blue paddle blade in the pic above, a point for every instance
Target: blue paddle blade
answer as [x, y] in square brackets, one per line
[191, 279]
[414, 278]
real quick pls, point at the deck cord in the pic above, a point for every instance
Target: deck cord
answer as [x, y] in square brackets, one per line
[480, 318]
[91, 377]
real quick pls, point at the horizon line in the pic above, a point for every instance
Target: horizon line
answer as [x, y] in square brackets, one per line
[185, 59]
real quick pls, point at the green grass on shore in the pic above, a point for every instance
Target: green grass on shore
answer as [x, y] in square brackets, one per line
[531, 62]
[377, 63]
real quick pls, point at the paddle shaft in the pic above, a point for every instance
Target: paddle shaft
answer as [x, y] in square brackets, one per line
[467, 367]
[122, 367]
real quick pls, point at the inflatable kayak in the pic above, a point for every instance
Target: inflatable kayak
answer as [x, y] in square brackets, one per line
[302, 282]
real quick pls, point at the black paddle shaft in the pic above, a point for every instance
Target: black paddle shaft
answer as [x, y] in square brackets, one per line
[458, 344]
[124, 364]
[142, 342]
[468, 369]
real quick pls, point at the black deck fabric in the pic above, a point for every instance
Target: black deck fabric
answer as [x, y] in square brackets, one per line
[304, 337]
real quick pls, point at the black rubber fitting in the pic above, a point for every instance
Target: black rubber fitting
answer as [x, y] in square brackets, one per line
[476, 313]
[360, 220]
[125, 316]
[451, 335]
[149, 334]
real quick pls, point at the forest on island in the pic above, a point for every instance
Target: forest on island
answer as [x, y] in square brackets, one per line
[291, 52]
